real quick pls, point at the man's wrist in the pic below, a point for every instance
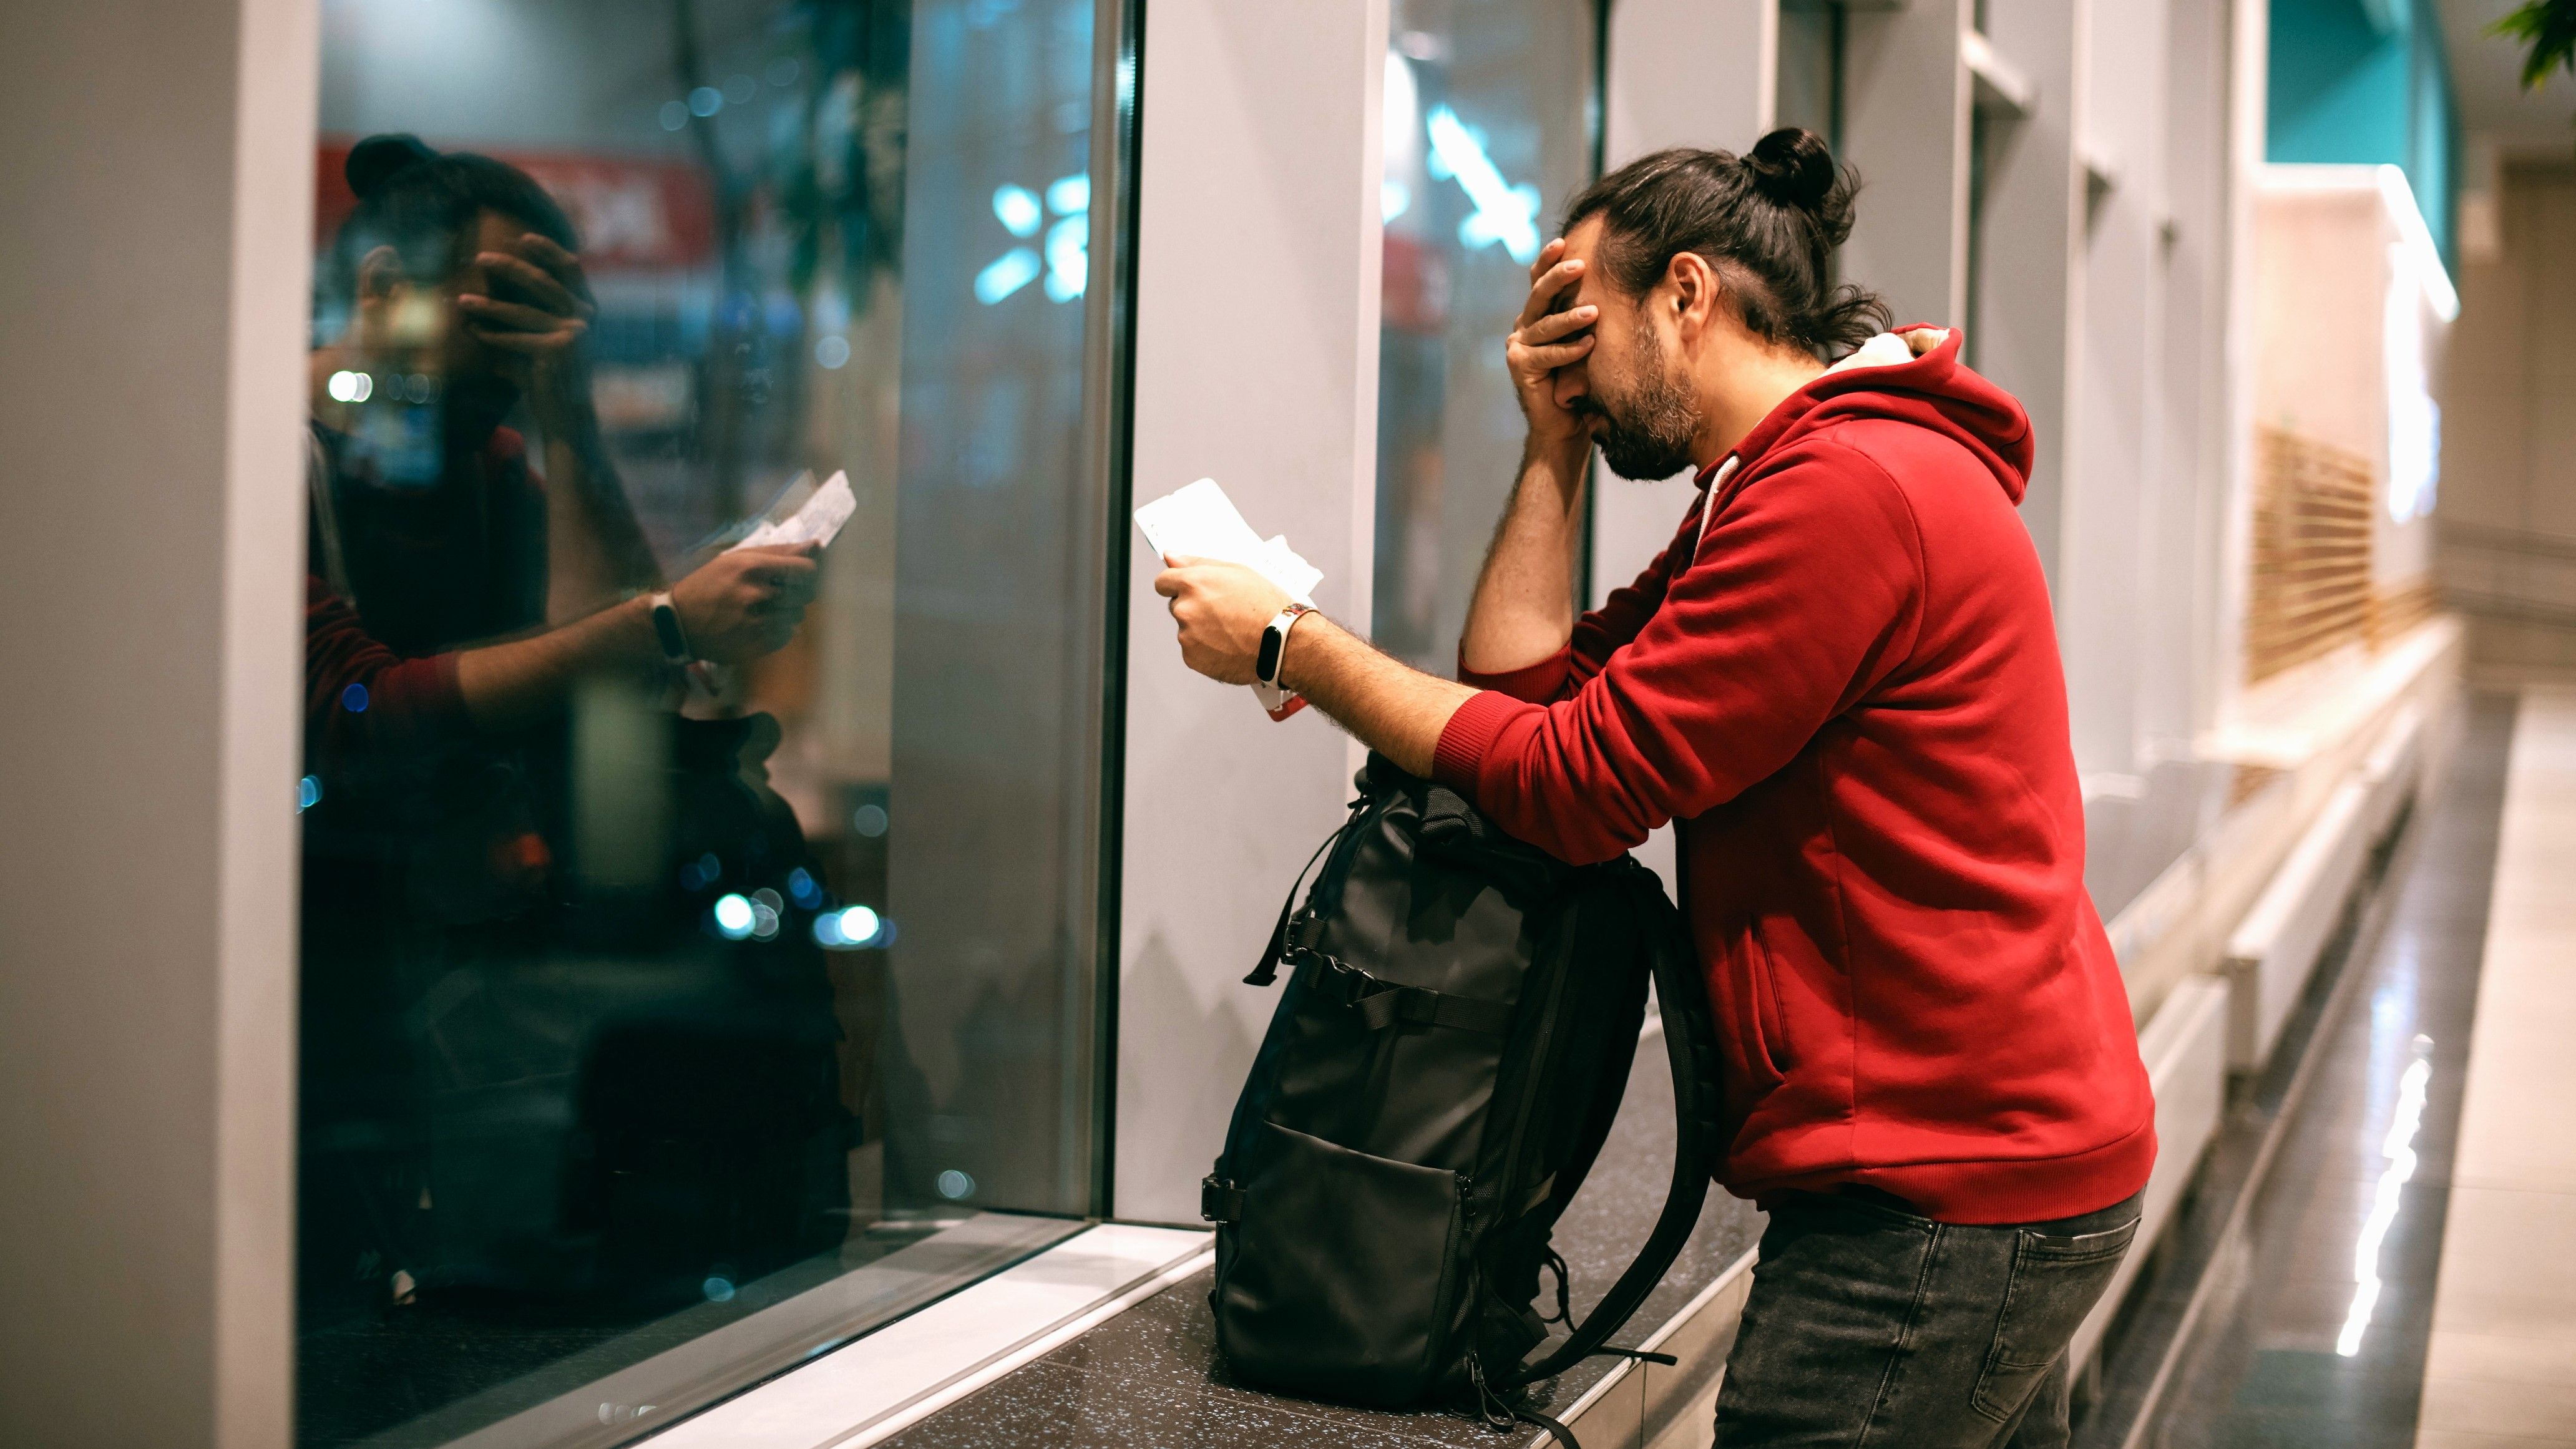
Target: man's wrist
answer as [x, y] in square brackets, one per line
[1300, 649]
[1561, 460]
[1551, 446]
[623, 634]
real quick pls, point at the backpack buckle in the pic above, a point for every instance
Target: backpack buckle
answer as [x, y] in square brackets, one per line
[1219, 1201]
[1349, 985]
[1305, 930]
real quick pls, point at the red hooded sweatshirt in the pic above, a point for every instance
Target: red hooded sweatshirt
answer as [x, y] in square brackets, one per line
[1841, 678]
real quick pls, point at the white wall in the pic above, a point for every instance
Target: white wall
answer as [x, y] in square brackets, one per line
[2034, 206]
[1256, 363]
[1905, 125]
[2178, 696]
[156, 220]
[2336, 250]
[2134, 458]
[2508, 502]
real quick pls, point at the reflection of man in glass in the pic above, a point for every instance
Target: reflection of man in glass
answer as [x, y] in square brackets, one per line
[464, 298]
[477, 1009]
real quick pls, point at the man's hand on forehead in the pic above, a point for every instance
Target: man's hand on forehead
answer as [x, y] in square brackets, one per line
[1553, 331]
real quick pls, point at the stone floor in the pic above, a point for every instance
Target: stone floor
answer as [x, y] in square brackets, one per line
[2501, 1366]
[2318, 1303]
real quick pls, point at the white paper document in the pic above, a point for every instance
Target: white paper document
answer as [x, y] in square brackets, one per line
[817, 523]
[1201, 522]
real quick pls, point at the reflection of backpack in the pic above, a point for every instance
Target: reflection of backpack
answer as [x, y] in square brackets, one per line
[1445, 1064]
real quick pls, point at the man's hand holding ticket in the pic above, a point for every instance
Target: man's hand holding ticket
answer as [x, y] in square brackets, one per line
[1200, 522]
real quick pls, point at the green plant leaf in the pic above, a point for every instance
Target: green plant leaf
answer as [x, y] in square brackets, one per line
[2549, 28]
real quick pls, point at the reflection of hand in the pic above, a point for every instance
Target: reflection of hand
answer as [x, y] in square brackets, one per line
[543, 334]
[747, 602]
[1543, 340]
[1222, 609]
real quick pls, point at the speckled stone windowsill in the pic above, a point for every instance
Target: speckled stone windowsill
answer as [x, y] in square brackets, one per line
[1151, 1377]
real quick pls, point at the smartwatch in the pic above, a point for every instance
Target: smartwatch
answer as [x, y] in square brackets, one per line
[1274, 643]
[668, 633]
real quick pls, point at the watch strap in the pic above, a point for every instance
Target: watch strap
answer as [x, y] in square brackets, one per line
[1273, 657]
[667, 632]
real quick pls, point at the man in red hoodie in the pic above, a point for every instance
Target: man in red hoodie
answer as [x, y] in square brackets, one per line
[1842, 681]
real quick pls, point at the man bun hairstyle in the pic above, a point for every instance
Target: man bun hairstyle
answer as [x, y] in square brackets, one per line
[1766, 222]
[1793, 167]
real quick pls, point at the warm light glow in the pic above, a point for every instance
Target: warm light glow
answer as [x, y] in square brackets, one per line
[2399, 1149]
[2426, 257]
[2414, 418]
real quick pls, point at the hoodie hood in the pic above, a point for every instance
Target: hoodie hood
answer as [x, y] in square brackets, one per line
[1913, 375]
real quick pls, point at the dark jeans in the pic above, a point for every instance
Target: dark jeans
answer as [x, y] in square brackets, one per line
[1869, 1326]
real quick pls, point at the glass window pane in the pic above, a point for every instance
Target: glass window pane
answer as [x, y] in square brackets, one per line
[1489, 125]
[645, 997]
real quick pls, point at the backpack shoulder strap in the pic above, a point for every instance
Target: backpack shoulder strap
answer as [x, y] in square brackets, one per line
[1690, 1045]
[1276, 949]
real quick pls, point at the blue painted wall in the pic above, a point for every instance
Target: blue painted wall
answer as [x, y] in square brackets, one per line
[2367, 81]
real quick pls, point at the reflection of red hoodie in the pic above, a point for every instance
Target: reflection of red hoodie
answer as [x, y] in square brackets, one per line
[1842, 679]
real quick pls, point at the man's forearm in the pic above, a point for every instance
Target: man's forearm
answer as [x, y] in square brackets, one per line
[513, 684]
[1395, 710]
[596, 547]
[1523, 610]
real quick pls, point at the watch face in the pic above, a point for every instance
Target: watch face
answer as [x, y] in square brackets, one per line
[1266, 665]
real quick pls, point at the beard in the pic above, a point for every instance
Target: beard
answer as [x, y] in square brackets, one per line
[1646, 433]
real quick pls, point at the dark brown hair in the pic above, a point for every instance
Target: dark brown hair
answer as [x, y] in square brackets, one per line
[423, 204]
[1767, 222]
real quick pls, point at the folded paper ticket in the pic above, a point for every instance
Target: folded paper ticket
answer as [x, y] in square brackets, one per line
[818, 522]
[1201, 522]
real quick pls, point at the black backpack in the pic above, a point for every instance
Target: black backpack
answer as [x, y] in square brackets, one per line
[1444, 1065]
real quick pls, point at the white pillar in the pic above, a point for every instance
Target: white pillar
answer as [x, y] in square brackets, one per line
[156, 214]
[2033, 228]
[2179, 693]
[2248, 56]
[2118, 400]
[1255, 363]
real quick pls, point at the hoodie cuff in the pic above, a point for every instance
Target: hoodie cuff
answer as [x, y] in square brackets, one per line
[1536, 683]
[1470, 734]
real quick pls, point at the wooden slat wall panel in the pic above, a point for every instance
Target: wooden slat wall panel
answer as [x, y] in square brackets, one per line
[2395, 610]
[2311, 560]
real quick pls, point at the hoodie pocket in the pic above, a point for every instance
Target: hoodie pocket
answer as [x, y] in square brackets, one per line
[1752, 1011]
